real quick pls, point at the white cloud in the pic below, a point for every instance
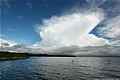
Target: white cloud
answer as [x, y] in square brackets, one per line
[70, 29]
[29, 4]
[7, 45]
[105, 50]
[111, 28]
[115, 43]
[22, 45]
[10, 43]
[92, 40]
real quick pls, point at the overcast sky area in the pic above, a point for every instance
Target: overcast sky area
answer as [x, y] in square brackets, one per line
[78, 27]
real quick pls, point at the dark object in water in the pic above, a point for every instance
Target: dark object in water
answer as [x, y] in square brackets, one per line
[72, 61]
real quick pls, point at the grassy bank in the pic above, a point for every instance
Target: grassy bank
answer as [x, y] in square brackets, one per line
[12, 56]
[15, 56]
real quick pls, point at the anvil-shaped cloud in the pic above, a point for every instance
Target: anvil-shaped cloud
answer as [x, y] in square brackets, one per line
[71, 29]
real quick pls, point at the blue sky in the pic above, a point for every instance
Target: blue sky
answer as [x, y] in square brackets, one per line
[19, 17]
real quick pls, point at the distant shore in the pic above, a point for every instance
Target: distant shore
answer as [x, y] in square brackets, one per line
[13, 56]
[16, 56]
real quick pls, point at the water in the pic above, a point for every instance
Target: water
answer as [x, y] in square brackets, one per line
[61, 68]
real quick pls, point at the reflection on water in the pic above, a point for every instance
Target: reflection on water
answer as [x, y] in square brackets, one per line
[61, 68]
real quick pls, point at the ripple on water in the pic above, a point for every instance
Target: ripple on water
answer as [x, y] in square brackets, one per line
[45, 68]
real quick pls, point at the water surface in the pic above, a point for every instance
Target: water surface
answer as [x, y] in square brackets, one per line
[61, 68]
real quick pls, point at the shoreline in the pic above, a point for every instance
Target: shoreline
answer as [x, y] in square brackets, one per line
[16, 56]
[12, 58]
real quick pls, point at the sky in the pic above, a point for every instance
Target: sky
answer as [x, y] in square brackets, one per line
[59, 23]
[19, 17]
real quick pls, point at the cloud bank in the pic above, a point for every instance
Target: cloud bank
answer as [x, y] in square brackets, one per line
[6, 43]
[105, 50]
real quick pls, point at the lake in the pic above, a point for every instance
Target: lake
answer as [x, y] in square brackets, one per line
[61, 68]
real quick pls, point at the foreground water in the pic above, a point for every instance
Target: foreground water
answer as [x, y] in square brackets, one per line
[61, 68]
